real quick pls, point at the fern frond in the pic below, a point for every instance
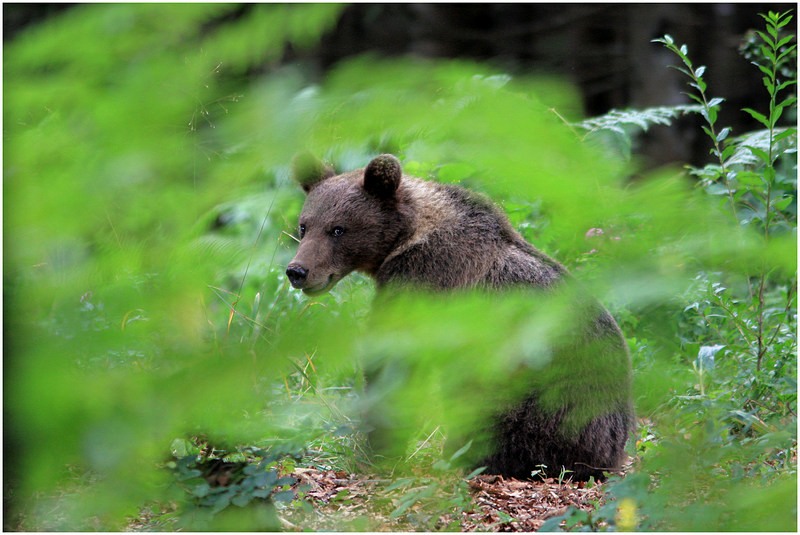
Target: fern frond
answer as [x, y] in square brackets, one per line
[615, 120]
[784, 138]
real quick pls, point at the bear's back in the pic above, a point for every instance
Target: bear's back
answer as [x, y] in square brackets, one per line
[460, 239]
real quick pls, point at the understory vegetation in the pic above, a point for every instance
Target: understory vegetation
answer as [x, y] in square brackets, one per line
[161, 374]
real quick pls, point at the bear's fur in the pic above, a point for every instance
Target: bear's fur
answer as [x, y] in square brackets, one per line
[402, 230]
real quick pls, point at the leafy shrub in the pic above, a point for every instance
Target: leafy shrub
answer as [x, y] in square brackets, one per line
[217, 480]
[730, 429]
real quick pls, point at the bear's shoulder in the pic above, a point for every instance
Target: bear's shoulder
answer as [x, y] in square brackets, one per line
[458, 239]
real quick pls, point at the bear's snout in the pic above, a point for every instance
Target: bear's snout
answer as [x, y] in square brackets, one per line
[297, 275]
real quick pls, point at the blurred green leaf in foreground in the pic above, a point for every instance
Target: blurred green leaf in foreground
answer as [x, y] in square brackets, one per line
[148, 220]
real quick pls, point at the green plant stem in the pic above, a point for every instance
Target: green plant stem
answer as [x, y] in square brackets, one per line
[789, 300]
[738, 323]
[760, 321]
[714, 135]
[771, 47]
[772, 120]
[772, 88]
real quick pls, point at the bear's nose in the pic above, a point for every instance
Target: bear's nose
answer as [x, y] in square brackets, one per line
[297, 275]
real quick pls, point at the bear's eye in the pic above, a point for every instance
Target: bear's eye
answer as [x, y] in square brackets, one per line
[337, 231]
[302, 231]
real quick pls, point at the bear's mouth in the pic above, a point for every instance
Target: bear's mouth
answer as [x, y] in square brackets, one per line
[322, 288]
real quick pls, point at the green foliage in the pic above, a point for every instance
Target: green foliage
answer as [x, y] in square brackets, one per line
[747, 166]
[617, 129]
[149, 217]
[216, 483]
[731, 428]
[422, 501]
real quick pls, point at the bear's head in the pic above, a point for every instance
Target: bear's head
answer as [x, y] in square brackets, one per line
[349, 222]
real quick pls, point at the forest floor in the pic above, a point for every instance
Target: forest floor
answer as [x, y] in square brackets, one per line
[333, 500]
[342, 501]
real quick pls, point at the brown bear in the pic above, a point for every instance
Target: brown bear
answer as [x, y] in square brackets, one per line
[405, 231]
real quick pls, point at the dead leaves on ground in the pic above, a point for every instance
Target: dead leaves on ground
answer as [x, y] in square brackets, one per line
[339, 501]
[527, 503]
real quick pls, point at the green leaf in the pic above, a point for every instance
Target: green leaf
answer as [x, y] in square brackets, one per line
[711, 115]
[403, 507]
[786, 20]
[749, 178]
[251, 469]
[681, 69]
[765, 70]
[576, 516]
[728, 151]
[759, 153]
[766, 39]
[769, 174]
[786, 51]
[776, 114]
[700, 85]
[475, 472]
[286, 480]
[464, 449]
[284, 496]
[695, 98]
[201, 490]
[790, 101]
[181, 448]
[785, 134]
[706, 357]
[441, 465]
[768, 53]
[773, 31]
[782, 203]
[221, 502]
[783, 19]
[723, 134]
[266, 479]
[241, 500]
[551, 525]
[757, 116]
[402, 482]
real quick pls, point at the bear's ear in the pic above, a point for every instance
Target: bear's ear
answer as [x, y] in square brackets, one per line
[309, 171]
[382, 176]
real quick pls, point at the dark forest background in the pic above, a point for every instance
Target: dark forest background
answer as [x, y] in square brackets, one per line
[604, 49]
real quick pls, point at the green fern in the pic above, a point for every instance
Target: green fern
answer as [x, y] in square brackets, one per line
[617, 120]
[617, 129]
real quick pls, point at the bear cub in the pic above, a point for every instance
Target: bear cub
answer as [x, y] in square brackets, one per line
[402, 230]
